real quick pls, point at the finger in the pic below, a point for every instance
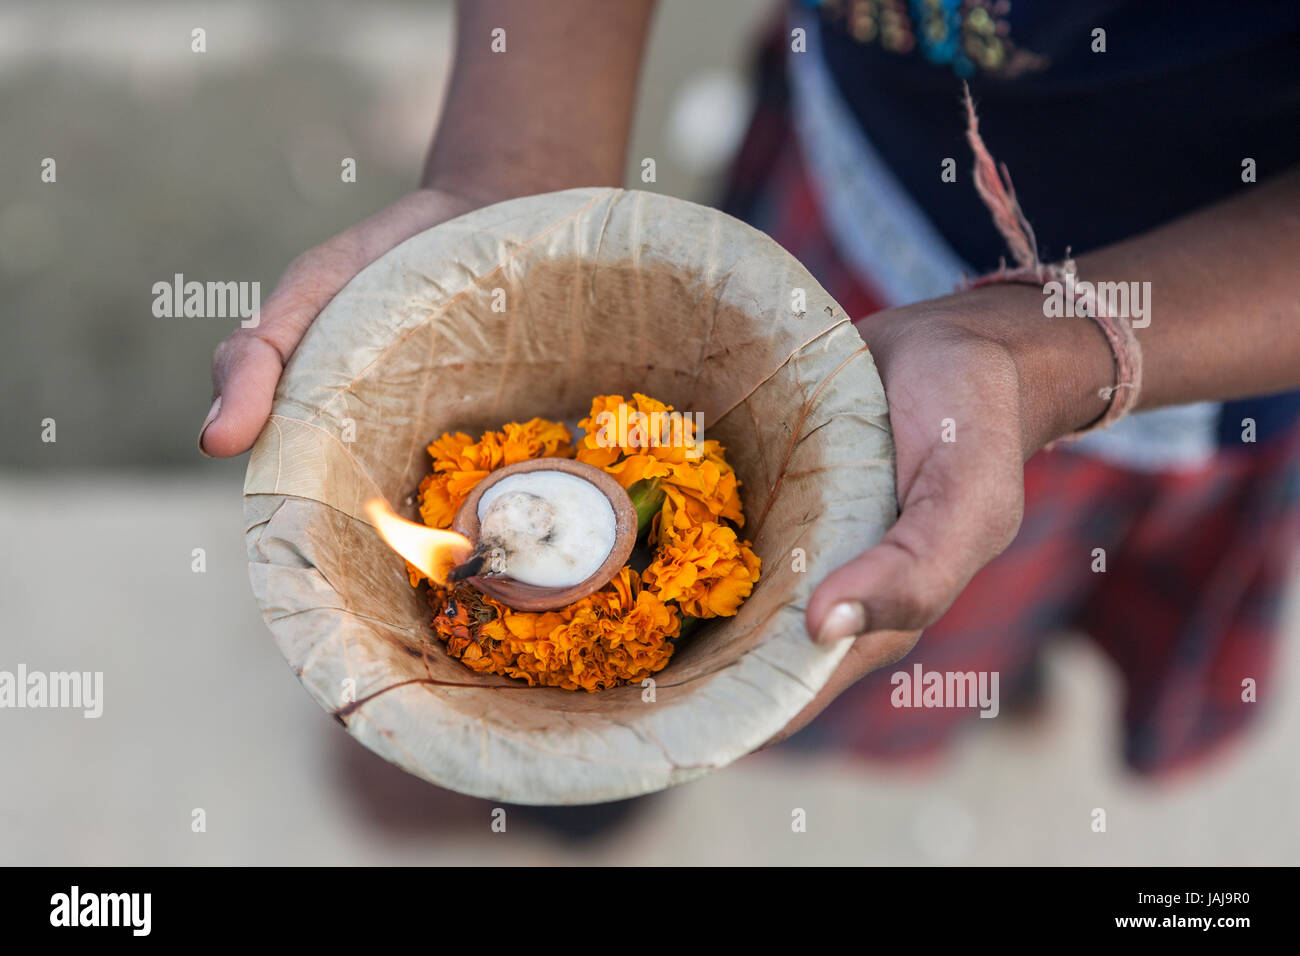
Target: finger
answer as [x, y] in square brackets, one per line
[245, 371]
[962, 510]
[247, 365]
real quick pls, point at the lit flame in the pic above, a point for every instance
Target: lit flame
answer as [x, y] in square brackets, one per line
[432, 551]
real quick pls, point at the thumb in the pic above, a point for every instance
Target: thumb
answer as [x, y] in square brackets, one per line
[245, 370]
[246, 366]
[943, 536]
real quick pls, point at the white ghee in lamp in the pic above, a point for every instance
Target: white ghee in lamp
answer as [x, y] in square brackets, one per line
[556, 529]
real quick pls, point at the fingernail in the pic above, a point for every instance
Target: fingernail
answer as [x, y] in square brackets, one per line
[213, 412]
[846, 619]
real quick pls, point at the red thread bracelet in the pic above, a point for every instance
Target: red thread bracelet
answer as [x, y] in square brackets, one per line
[1000, 198]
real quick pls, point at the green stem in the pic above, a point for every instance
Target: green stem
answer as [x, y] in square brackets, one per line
[648, 499]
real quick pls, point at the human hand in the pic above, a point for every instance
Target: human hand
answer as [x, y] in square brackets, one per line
[977, 382]
[247, 364]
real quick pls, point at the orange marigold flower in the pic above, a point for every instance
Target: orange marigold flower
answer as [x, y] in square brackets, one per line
[701, 565]
[460, 463]
[619, 635]
[624, 631]
[538, 438]
[646, 438]
[712, 485]
[635, 467]
[616, 427]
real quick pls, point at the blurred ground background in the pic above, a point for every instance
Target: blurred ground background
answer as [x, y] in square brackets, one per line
[225, 166]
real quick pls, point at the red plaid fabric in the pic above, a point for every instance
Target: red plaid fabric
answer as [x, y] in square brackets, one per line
[1196, 560]
[1196, 567]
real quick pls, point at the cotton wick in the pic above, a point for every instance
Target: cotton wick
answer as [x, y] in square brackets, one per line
[467, 570]
[518, 521]
[492, 559]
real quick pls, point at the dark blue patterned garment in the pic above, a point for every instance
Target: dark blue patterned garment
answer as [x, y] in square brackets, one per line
[1102, 146]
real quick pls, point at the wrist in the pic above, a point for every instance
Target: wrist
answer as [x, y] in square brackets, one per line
[1059, 365]
[1062, 364]
[485, 186]
[478, 163]
[490, 181]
